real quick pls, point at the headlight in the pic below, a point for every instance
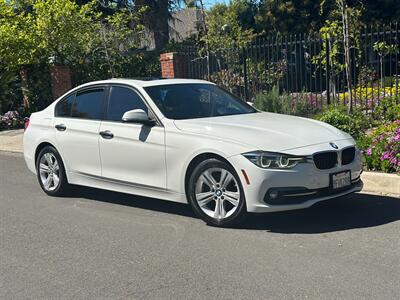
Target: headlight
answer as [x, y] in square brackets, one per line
[271, 160]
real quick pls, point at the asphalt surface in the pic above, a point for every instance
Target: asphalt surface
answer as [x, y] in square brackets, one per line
[104, 245]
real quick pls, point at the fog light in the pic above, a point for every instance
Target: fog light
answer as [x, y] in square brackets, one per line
[273, 195]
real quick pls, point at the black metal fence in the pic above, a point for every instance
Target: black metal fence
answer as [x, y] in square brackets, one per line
[300, 65]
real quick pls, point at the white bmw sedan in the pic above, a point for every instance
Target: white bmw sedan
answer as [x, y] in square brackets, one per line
[188, 141]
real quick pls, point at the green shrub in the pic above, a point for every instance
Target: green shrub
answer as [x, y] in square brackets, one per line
[354, 124]
[388, 109]
[269, 101]
[300, 104]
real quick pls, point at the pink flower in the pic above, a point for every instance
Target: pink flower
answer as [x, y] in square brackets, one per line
[369, 151]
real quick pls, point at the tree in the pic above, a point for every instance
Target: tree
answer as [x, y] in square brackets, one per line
[63, 32]
[224, 27]
[377, 11]
[156, 20]
[342, 33]
[289, 16]
[383, 49]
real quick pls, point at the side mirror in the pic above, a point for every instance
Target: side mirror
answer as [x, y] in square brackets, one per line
[138, 116]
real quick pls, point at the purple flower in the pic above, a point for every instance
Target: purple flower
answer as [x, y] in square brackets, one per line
[385, 155]
[369, 151]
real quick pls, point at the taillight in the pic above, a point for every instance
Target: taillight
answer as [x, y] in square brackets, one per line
[26, 123]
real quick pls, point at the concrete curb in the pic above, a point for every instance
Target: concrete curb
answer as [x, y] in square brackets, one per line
[381, 183]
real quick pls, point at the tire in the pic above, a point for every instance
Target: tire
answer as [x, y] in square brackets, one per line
[216, 194]
[49, 167]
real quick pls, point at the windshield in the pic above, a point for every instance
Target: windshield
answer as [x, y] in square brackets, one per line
[196, 100]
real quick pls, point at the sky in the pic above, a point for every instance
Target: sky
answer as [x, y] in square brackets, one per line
[209, 3]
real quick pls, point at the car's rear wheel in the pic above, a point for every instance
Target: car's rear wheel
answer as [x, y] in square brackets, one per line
[216, 194]
[51, 172]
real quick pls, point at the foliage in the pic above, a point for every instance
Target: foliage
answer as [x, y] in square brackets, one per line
[17, 43]
[35, 34]
[382, 148]
[354, 124]
[341, 34]
[65, 33]
[289, 16]
[228, 79]
[331, 34]
[39, 89]
[11, 120]
[9, 90]
[376, 11]
[267, 75]
[224, 28]
[383, 49]
[299, 16]
[388, 109]
[300, 104]
[366, 75]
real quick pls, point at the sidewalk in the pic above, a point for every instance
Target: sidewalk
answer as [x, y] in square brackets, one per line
[11, 140]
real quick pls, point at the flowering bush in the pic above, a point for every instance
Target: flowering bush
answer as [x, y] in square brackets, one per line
[382, 148]
[371, 96]
[11, 120]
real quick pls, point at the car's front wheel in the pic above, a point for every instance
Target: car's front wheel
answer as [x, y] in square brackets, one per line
[216, 194]
[51, 172]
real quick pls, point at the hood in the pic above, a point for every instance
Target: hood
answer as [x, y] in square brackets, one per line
[265, 131]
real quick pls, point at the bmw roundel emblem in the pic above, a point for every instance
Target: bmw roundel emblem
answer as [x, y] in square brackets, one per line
[334, 146]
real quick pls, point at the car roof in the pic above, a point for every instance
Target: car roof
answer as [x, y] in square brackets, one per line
[145, 82]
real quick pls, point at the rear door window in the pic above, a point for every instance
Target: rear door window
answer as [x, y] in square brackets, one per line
[64, 107]
[89, 104]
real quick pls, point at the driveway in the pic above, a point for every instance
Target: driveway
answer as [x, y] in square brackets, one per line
[97, 244]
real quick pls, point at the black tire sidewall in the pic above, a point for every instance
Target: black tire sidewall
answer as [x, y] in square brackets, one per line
[240, 212]
[63, 183]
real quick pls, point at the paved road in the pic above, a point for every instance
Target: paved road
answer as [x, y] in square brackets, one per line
[99, 245]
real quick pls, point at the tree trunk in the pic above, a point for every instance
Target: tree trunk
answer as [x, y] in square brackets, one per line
[156, 20]
[346, 43]
[23, 73]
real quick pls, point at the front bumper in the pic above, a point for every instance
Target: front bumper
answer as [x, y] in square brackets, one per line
[309, 184]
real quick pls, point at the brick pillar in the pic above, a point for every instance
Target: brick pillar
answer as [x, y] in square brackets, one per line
[61, 81]
[172, 65]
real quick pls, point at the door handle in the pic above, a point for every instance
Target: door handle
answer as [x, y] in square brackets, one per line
[60, 127]
[106, 134]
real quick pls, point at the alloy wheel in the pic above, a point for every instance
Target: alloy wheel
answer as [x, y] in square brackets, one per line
[49, 171]
[217, 193]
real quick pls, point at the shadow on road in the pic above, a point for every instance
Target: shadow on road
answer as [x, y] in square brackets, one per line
[133, 201]
[350, 212]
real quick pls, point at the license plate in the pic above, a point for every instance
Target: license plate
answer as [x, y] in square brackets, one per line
[341, 180]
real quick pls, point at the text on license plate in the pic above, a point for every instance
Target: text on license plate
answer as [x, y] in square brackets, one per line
[340, 180]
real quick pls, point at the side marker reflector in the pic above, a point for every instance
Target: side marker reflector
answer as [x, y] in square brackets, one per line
[246, 177]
